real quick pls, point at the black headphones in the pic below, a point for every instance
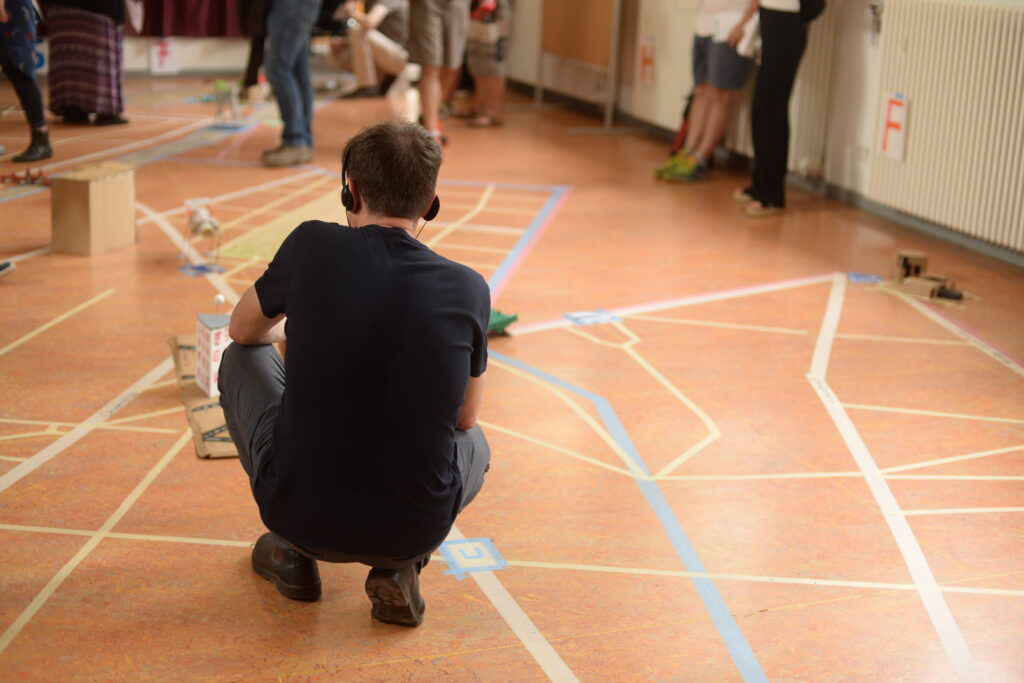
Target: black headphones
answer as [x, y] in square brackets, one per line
[349, 201]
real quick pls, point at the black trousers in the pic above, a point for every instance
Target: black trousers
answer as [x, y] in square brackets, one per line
[27, 91]
[783, 39]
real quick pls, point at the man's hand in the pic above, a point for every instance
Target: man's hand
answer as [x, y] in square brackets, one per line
[249, 325]
[4, 17]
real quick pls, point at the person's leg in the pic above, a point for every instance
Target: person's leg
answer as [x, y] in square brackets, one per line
[426, 31]
[784, 37]
[389, 56]
[430, 97]
[251, 384]
[252, 67]
[27, 91]
[362, 56]
[288, 26]
[304, 79]
[395, 593]
[699, 109]
[473, 457]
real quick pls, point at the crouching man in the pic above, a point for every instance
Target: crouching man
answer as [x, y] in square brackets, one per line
[362, 444]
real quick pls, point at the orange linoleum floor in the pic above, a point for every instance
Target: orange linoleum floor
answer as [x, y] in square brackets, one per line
[716, 456]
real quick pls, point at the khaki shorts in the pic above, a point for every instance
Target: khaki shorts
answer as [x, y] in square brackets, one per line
[437, 32]
[487, 48]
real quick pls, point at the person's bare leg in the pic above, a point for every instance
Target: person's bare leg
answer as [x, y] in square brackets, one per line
[491, 95]
[698, 116]
[430, 96]
[449, 81]
[719, 116]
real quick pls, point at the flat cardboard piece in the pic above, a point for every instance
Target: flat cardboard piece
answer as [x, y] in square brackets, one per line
[205, 416]
[93, 209]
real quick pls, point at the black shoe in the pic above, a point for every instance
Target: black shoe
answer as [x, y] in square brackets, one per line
[296, 576]
[74, 115]
[38, 149]
[395, 594]
[110, 120]
[368, 91]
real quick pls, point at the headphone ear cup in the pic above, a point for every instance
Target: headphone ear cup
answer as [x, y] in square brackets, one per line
[346, 198]
[432, 212]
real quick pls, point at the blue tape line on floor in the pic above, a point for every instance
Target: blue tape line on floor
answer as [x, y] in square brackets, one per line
[742, 655]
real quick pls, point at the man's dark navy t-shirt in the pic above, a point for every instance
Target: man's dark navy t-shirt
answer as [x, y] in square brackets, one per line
[383, 335]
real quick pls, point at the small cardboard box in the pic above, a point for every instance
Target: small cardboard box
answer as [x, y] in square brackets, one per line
[205, 416]
[211, 340]
[911, 263]
[93, 209]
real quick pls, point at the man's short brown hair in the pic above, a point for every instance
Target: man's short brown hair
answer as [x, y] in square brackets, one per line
[394, 167]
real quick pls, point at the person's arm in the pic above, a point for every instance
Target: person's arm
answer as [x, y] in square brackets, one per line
[737, 32]
[371, 20]
[249, 325]
[471, 406]
[3, 13]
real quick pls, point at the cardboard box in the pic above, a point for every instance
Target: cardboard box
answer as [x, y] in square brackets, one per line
[205, 416]
[211, 340]
[911, 263]
[93, 209]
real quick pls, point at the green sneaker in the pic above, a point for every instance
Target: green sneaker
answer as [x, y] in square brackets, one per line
[678, 166]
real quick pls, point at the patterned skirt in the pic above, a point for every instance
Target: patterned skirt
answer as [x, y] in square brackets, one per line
[86, 61]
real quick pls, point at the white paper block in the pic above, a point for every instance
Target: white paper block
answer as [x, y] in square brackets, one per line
[211, 340]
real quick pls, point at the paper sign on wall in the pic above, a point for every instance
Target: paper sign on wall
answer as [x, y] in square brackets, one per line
[894, 126]
[646, 62]
[163, 57]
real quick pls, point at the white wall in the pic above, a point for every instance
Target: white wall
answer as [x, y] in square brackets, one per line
[215, 55]
[665, 27]
[853, 109]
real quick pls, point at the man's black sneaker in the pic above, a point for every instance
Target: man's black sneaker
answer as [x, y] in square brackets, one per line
[296, 576]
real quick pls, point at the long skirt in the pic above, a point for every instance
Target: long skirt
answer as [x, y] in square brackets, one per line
[86, 61]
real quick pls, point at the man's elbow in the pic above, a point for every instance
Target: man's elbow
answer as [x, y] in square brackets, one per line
[465, 422]
[239, 334]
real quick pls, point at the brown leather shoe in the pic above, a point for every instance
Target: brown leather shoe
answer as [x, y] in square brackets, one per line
[296, 576]
[395, 594]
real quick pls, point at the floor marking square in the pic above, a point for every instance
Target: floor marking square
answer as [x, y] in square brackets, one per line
[596, 317]
[471, 555]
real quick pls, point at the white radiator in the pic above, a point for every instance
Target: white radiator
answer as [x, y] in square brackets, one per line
[577, 79]
[808, 107]
[960, 66]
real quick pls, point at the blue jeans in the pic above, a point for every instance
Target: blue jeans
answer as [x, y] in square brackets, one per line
[289, 24]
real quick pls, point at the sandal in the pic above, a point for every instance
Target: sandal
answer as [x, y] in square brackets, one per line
[484, 121]
[756, 209]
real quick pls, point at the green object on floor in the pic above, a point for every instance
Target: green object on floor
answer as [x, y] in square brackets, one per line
[499, 321]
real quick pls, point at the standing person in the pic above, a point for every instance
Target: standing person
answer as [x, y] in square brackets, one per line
[783, 39]
[487, 59]
[18, 62]
[719, 73]
[86, 60]
[437, 42]
[289, 24]
[375, 42]
[362, 445]
[252, 18]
